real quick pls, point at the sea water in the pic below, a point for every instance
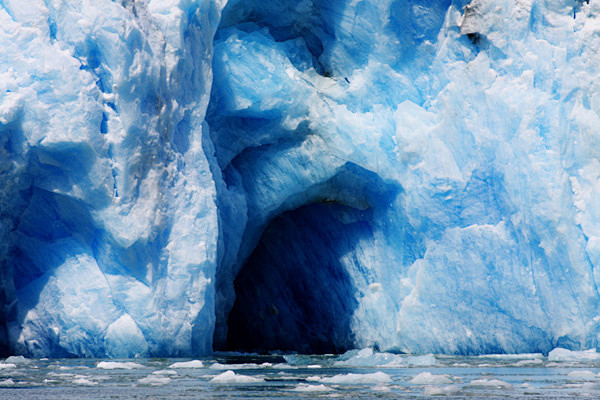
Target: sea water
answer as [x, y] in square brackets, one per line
[356, 374]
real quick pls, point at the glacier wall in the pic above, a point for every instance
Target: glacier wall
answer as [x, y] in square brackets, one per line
[187, 175]
[103, 166]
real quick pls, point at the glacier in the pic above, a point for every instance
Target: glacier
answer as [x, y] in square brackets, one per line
[184, 176]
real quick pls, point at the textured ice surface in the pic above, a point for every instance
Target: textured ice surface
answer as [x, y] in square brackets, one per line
[417, 177]
[441, 391]
[305, 387]
[232, 377]
[582, 375]
[118, 365]
[427, 378]
[560, 354]
[368, 358]
[155, 380]
[351, 378]
[495, 383]
[187, 364]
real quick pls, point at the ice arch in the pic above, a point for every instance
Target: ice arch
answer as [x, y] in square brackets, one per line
[292, 270]
[274, 166]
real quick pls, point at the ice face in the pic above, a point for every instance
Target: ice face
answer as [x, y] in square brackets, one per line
[103, 110]
[182, 175]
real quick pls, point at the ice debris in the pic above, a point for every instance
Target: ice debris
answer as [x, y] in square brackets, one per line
[427, 378]
[155, 380]
[368, 358]
[118, 365]
[187, 364]
[560, 354]
[352, 378]
[232, 377]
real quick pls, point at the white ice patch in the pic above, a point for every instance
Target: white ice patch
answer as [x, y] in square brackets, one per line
[305, 387]
[7, 365]
[20, 360]
[7, 382]
[427, 378]
[449, 390]
[525, 363]
[380, 387]
[165, 372]
[490, 383]
[524, 356]
[581, 375]
[187, 364]
[232, 377]
[376, 377]
[118, 365]
[560, 354]
[84, 382]
[155, 380]
[368, 358]
[219, 366]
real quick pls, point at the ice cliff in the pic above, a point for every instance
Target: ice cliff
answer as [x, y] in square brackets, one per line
[187, 175]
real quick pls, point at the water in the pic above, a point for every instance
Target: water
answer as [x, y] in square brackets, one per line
[527, 376]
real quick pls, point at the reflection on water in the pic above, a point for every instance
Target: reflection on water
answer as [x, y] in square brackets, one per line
[356, 374]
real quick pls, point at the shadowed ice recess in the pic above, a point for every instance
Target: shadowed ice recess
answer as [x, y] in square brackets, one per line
[184, 176]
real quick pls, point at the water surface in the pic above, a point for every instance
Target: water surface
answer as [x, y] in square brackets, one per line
[352, 375]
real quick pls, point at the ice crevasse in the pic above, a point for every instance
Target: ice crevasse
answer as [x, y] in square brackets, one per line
[183, 176]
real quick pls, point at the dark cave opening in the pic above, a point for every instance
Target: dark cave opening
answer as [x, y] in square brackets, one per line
[295, 293]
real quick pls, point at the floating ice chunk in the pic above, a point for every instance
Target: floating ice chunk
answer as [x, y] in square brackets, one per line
[165, 372]
[284, 366]
[376, 377]
[232, 377]
[524, 356]
[560, 354]
[368, 358]
[84, 382]
[427, 378]
[496, 383]
[7, 365]
[187, 364]
[7, 382]
[155, 380]
[17, 360]
[590, 386]
[380, 387]
[441, 391]
[118, 365]
[524, 363]
[581, 375]
[305, 387]
[240, 366]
